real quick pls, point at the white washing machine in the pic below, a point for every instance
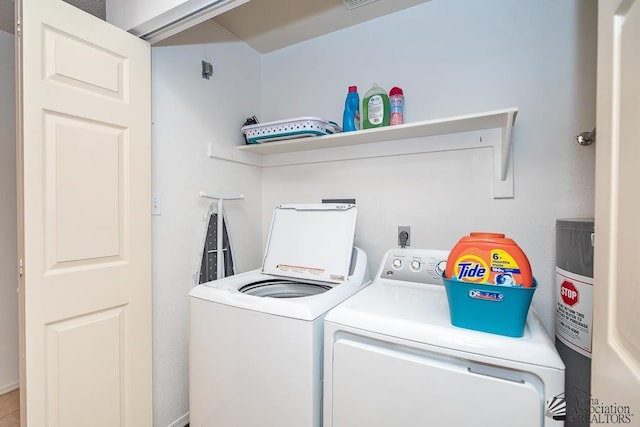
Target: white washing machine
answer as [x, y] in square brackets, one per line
[392, 358]
[256, 338]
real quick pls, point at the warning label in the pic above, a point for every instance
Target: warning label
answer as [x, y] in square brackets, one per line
[574, 310]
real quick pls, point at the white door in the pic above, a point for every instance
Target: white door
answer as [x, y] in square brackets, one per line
[84, 196]
[616, 340]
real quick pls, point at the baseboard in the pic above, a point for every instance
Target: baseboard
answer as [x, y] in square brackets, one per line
[9, 387]
[181, 422]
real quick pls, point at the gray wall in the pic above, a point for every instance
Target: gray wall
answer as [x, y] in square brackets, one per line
[9, 374]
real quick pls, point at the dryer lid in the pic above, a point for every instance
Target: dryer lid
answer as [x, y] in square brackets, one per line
[311, 241]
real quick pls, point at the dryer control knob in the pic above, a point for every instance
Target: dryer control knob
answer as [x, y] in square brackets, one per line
[441, 267]
[397, 263]
[416, 265]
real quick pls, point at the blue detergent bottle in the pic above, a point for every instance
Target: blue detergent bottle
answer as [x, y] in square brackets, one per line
[351, 116]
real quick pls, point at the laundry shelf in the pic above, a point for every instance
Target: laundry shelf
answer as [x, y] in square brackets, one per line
[408, 138]
[493, 119]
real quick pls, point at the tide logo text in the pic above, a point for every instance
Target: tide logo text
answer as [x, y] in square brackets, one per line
[471, 271]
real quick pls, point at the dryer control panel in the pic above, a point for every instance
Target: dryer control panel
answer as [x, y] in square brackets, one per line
[414, 265]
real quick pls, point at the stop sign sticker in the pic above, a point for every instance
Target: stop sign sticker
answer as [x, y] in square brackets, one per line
[574, 310]
[569, 293]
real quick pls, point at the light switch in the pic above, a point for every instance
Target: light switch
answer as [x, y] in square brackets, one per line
[156, 204]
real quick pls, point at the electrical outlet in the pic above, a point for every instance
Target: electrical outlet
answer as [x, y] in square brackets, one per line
[402, 241]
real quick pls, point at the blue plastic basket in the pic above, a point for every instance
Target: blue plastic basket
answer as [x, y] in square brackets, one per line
[495, 309]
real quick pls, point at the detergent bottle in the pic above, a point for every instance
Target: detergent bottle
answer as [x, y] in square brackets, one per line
[489, 259]
[351, 115]
[396, 101]
[375, 108]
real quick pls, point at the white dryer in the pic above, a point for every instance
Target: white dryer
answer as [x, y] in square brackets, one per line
[392, 358]
[256, 338]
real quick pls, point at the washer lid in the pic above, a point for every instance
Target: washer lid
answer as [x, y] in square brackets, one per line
[311, 241]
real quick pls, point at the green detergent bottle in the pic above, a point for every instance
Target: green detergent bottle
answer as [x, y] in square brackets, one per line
[376, 109]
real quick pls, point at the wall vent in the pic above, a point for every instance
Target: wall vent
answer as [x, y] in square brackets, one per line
[352, 4]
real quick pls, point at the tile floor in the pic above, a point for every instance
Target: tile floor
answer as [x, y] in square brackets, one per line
[10, 409]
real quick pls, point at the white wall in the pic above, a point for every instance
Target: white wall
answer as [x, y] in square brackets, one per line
[453, 57]
[9, 374]
[188, 113]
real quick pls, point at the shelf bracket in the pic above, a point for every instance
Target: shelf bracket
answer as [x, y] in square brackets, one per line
[503, 159]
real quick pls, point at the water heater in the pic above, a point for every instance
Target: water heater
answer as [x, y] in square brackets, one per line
[574, 314]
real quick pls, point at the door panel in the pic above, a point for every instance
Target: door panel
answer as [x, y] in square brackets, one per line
[85, 214]
[100, 70]
[77, 349]
[616, 337]
[379, 386]
[84, 174]
[626, 300]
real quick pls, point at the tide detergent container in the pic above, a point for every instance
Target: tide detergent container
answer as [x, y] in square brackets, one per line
[489, 285]
[490, 259]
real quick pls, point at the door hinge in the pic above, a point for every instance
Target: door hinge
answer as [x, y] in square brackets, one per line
[18, 28]
[20, 269]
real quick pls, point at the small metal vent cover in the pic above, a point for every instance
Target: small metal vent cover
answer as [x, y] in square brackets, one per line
[352, 4]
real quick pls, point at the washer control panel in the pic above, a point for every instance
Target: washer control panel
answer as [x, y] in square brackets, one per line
[414, 265]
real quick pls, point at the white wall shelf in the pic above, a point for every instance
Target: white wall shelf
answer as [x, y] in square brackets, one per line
[462, 132]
